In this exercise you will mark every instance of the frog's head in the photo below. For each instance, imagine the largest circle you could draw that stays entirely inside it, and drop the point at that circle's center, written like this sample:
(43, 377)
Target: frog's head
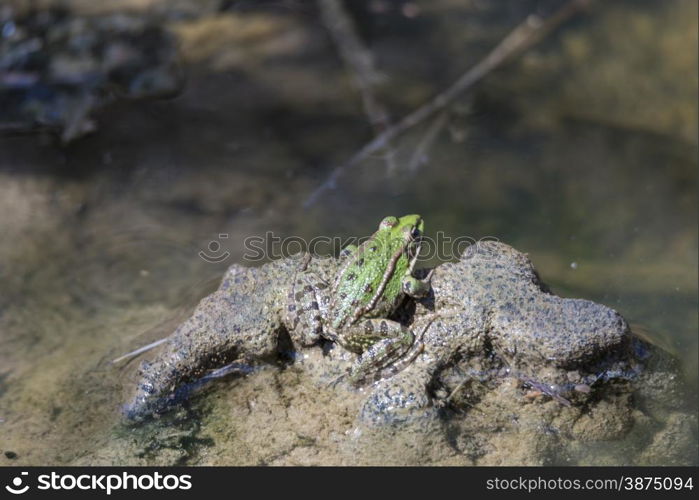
(405, 231)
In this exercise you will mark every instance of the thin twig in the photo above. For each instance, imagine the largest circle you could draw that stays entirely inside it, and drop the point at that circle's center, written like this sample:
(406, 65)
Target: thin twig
(421, 153)
(529, 32)
(140, 350)
(359, 61)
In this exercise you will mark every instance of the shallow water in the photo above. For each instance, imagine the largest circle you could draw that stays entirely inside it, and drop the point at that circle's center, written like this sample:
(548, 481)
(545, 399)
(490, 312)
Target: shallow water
(582, 153)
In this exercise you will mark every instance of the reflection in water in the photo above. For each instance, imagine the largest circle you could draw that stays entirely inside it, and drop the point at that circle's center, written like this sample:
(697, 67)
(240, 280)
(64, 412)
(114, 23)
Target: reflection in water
(582, 152)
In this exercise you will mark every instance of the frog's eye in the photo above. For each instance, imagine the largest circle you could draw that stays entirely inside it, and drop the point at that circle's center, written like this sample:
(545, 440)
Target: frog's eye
(388, 222)
(415, 233)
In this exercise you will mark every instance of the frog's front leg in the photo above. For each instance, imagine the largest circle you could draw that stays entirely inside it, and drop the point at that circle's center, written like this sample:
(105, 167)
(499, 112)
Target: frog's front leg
(381, 342)
(416, 288)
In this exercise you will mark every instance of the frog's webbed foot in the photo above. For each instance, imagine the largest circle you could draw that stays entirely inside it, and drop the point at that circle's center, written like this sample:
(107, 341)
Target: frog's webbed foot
(397, 366)
(360, 375)
(381, 342)
(336, 381)
(396, 363)
(403, 398)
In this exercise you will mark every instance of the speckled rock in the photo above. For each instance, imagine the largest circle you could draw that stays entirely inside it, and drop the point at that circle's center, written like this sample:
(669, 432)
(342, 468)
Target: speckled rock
(241, 320)
(488, 309)
(492, 306)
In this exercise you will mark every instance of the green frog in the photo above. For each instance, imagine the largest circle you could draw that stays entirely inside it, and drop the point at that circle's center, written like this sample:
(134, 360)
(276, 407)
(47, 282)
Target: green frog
(349, 300)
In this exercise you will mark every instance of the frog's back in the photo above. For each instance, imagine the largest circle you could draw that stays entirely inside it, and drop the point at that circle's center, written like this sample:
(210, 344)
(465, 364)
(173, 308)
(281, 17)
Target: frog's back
(361, 280)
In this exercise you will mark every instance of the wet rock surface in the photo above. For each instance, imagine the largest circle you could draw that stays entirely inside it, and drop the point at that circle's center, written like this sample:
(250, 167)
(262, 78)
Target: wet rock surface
(241, 319)
(498, 348)
(490, 312)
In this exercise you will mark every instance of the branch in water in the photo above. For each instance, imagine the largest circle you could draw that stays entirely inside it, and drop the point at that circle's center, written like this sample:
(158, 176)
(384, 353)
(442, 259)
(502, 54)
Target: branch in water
(421, 154)
(140, 350)
(359, 61)
(529, 32)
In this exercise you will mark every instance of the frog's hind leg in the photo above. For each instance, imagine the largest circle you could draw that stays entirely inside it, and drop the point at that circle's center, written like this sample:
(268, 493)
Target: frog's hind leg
(303, 314)
(404, 360)
(381, 342)
(397, 366)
